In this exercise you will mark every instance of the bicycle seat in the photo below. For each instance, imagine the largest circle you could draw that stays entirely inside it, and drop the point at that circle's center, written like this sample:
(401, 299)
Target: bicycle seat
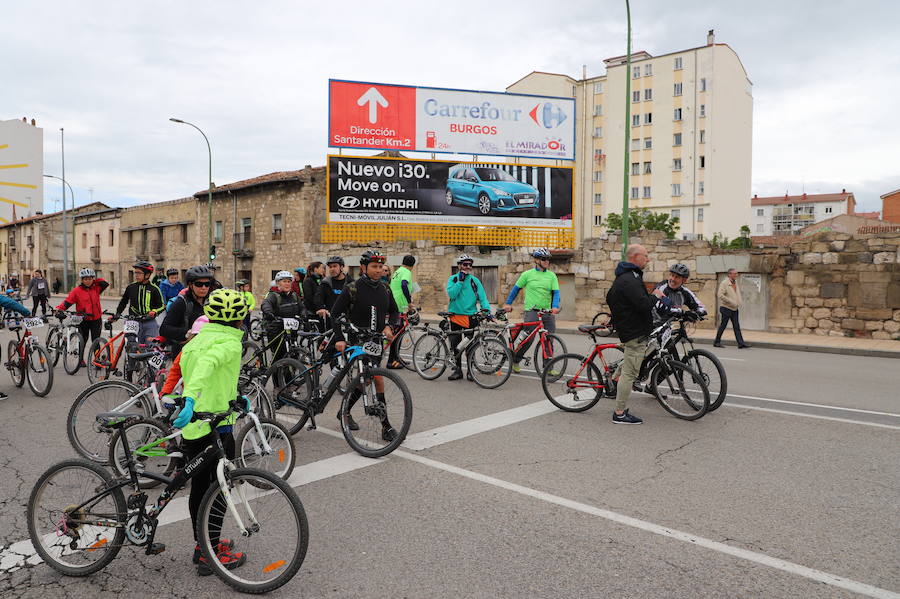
(445, 314)
(593, 328)
(115, 419)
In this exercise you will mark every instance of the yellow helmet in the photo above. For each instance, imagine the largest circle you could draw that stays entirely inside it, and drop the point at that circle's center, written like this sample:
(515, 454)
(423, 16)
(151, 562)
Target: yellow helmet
(226, 305)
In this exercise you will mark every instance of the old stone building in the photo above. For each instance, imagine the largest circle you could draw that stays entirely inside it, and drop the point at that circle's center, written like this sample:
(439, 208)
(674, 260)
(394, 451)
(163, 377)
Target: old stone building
(97, 244)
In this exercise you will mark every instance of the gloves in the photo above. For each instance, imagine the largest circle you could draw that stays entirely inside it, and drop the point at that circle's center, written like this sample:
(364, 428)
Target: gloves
(461, 276)
(691, 316)
(185, 414)
(60, 314)
(247, 406)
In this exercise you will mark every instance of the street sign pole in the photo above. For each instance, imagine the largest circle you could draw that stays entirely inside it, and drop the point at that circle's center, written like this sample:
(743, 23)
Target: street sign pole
(626, 221)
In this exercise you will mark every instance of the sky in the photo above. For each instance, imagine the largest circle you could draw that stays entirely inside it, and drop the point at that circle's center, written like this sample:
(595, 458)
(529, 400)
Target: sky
(254, 77)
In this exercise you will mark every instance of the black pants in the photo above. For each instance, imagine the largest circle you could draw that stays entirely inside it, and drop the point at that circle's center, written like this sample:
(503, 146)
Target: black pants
(42, 300)
(203, 479)
(456, 339)
(732, 315)
(89, 328)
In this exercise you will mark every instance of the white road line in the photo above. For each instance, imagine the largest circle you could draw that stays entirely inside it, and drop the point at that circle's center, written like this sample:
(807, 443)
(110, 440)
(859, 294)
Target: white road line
(815, 416)
(815, 405)
(752, 556)
(732, 359)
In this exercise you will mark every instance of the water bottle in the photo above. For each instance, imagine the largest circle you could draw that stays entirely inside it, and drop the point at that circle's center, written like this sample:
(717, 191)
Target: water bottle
(463, 344)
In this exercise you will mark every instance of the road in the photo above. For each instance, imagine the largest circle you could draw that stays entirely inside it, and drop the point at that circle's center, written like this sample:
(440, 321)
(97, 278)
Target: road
(789, 490)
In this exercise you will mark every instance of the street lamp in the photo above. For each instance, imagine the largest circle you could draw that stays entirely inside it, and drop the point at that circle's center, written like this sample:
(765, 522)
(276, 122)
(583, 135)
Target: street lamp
(626, 219)
(65, 231)
(209, 197)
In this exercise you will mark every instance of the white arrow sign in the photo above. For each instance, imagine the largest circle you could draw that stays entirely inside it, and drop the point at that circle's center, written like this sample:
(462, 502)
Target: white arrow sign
(374, 98)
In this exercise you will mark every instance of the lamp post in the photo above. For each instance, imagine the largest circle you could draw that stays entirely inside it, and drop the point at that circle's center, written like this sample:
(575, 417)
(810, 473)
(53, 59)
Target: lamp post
(209, 197)
(626, 220)
(65, 260)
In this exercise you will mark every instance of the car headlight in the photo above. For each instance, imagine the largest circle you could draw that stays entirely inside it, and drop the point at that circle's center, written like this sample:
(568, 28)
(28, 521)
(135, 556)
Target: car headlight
(501, 192)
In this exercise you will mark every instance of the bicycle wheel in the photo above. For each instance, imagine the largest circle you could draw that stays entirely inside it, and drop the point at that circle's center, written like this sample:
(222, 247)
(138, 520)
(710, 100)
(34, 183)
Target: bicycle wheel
(679, 389)
(99, 360)
(255, 390)
(707, 365)
(277, 531)
(248, 348)
(64, 515)
(155, 459)
(489, 362)
(604, 318)
(38, 369)
(292, 395)
(85, 435)
(54, 338)
(251, 453)
(73, 347)
(257, 331)
(430, 356)
(376, 413)
(15, 365)
(571, 383)
(544, 350)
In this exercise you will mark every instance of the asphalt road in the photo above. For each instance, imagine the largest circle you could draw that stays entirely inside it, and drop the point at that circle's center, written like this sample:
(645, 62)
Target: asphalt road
(789, 490)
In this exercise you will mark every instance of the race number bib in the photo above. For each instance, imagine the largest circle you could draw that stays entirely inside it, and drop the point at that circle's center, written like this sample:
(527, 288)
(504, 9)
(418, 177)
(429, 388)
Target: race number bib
(666, 336)
(131, 327)
(373, 348)
(291, 324)
(33, 323)
(156, 361)
(74, 320)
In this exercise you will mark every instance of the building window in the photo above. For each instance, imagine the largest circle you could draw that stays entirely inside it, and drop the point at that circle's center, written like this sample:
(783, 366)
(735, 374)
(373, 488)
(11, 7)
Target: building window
(676, 139)
(760, 212)
(678, 63)
(598, 88)
(635, 120)
(635, 168)
(700, 188)
(703, 110)
(598, 198)
(648, 70)
(703, 84)
(597, 220)
(184, 233)
(598, 131)
(647, 169)
(648, 118)
(699, 215)
(648, 95)
(703, 136)
(635, 144)
(676, 164)
(678, 87)
(676, 189)
(646, 191)
(675, 213)
(636, 72)
(277, 226)
(128, 238)
(677, 116)
(759, 228)
(702, 161)
(635, 193)
(648, 143)
(112, 237)
(636, 95)
(217, 231)
(598, 176)
(83, 240)
(828, 210)
(598, 110)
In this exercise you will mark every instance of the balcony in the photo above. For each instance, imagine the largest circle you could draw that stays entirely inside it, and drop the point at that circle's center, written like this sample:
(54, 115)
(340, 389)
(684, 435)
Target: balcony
(242, 244)
(29, 241)
(95, 254)
(157, 248)
(141, 252)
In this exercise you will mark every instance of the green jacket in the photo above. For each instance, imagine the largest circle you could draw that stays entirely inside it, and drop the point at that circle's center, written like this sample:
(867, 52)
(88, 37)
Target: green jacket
(400, 275)
(251, 301)
(210, 364)
(466, 295)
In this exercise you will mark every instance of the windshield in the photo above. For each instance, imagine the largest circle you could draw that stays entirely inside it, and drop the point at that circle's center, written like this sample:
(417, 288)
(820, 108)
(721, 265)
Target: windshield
(493, 174)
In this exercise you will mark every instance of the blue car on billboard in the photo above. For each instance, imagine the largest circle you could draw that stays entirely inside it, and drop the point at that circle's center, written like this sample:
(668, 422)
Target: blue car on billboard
(490, 190)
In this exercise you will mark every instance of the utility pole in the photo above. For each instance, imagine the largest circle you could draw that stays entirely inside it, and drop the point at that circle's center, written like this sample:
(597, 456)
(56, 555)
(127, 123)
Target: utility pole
(65, 231)
(626, 220)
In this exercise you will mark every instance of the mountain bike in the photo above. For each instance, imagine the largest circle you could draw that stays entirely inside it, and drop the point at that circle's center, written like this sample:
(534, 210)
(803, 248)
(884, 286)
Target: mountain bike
(65, 340)
(548, 345)
(27, 359)
(79, 517)
(104, 354)
(405, 338)
(703, 361)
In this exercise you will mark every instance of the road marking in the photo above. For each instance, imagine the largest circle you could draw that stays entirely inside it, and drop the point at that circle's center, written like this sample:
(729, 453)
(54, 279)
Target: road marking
(816, 405)
(732, 359)
(816, 416)
(752, 556)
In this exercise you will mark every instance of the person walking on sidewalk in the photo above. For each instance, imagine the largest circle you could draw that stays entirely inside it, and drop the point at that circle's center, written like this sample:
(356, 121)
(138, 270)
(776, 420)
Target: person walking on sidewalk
(729, 295)
(466, 294)
(39, 291)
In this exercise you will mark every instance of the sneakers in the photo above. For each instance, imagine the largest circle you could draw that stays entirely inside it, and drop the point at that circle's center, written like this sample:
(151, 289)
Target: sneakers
(516, 368)
(388, 433)
(717, 344)
(224, 545)
(351, 423)
(625, 418)
(744, 346)
(226, 558)
(455, 375)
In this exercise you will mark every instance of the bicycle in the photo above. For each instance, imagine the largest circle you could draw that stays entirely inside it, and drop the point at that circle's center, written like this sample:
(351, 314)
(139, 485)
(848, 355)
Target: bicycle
(406, 336)
(65, 340)
(308, 395)
(79, 518)
(27, 358)
(703, 361)
(579, 384)
(549, 344)
(104, 354)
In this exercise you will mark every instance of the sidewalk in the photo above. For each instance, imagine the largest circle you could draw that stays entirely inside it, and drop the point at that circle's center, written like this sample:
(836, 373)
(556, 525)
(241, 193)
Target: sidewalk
(812, 343)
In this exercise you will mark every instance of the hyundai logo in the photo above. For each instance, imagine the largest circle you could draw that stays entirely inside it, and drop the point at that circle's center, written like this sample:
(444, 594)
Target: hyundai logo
(348, 202)
(547, 115)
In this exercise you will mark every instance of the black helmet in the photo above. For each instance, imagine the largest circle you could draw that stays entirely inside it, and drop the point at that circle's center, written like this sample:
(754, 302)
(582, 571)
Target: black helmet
(335, 260)
(171, 271)
(198, 272)
(144, 266)
(372, 256)
(681, 270)
(240, 282)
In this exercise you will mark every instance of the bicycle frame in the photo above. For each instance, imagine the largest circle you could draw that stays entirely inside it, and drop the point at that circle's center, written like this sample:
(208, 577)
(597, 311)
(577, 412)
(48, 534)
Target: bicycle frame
(578, 383)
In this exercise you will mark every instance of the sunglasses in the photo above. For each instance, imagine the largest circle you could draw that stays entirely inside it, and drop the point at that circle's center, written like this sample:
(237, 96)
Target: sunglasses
(202, 283)
(466, 265)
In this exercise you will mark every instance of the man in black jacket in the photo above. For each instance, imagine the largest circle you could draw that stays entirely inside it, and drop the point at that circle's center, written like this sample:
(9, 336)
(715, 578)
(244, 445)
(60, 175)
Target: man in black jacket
(187, 307)
(332, 285)
(631, 307)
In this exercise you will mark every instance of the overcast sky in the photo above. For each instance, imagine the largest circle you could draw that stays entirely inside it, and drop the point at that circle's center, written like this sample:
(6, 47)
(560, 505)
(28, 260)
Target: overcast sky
(826, 79)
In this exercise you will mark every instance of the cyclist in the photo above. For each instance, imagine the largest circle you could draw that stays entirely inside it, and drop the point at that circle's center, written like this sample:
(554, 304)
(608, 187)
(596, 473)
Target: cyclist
(337, 279)
(170, 286)
(243, 285)
(279, 304)
(143, 300)
(210, 365)
(297, 285)
(541, 293)
(466, 294)
(401, 288)
(368, 304)
(681, 297)
(86, 298)
(8, 303)
(312, 300)
(187, 307)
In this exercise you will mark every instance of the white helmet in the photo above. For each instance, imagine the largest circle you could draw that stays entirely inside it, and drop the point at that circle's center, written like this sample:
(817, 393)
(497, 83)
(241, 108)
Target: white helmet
(464, 258)
(87, 272)
(283, 274)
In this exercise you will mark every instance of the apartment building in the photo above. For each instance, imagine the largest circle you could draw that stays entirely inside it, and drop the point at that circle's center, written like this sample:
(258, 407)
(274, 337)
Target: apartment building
(689, 138)
(788, 215)
(97, 236)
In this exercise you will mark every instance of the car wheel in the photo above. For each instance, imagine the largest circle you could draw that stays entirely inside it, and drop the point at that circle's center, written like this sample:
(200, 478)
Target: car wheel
(449, 196)
(484, 204)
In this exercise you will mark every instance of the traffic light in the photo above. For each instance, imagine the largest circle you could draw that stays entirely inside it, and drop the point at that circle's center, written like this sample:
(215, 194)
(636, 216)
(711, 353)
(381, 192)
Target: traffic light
(212, 253)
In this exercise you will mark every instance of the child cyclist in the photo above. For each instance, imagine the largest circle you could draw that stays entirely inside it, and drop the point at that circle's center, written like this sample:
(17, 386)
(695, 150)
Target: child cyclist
(210, 365)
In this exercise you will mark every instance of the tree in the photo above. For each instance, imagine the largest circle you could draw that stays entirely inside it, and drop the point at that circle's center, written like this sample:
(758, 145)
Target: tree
(644, 219)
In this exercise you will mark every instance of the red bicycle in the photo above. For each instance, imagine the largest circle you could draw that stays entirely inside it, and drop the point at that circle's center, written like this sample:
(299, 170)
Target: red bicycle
(405, 338)
(575, 383)
(28, 360)
(548, 345)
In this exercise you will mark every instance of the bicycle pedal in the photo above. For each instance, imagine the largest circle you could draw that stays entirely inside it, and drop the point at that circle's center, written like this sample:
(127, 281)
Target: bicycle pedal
(155, 548)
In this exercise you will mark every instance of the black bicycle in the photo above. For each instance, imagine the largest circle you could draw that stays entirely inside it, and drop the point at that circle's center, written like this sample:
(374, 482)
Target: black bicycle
(79, 516)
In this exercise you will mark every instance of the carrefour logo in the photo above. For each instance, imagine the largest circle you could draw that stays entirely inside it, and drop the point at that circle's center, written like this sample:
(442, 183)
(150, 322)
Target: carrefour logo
(348, 202)
(548, 115)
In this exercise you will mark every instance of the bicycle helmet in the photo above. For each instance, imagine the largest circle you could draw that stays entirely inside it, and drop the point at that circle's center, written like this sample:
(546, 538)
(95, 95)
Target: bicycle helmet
(413, 317)
(240, 282)
(464, 258)
(198, 272)
(282, 275)
(171, 271)
(300, 270)
(681, 270)
(144, 266)
(226, 305)
(542, 253)
(335, 260)
(87, 272)
(372, 256)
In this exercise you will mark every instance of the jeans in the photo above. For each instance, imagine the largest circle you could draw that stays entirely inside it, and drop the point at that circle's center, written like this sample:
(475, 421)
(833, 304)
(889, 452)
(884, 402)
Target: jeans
(732, 315)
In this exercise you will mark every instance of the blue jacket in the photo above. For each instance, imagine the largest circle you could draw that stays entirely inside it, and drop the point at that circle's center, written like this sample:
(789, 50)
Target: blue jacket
(10, 304)
(466, 294)
(169, 290)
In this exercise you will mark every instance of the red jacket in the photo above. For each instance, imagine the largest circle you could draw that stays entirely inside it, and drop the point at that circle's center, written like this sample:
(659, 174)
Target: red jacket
(86, 299)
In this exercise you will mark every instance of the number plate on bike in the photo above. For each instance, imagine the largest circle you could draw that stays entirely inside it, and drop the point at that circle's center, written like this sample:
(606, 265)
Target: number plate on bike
(73, 320)
(372, 348)
(33, 323)
(131, 327)
(291, 324)
(666, 336)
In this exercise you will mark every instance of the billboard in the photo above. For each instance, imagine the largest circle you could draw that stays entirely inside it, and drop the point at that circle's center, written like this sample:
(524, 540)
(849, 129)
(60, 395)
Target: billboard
(381, 116)
(402, 191)
(21, 169)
